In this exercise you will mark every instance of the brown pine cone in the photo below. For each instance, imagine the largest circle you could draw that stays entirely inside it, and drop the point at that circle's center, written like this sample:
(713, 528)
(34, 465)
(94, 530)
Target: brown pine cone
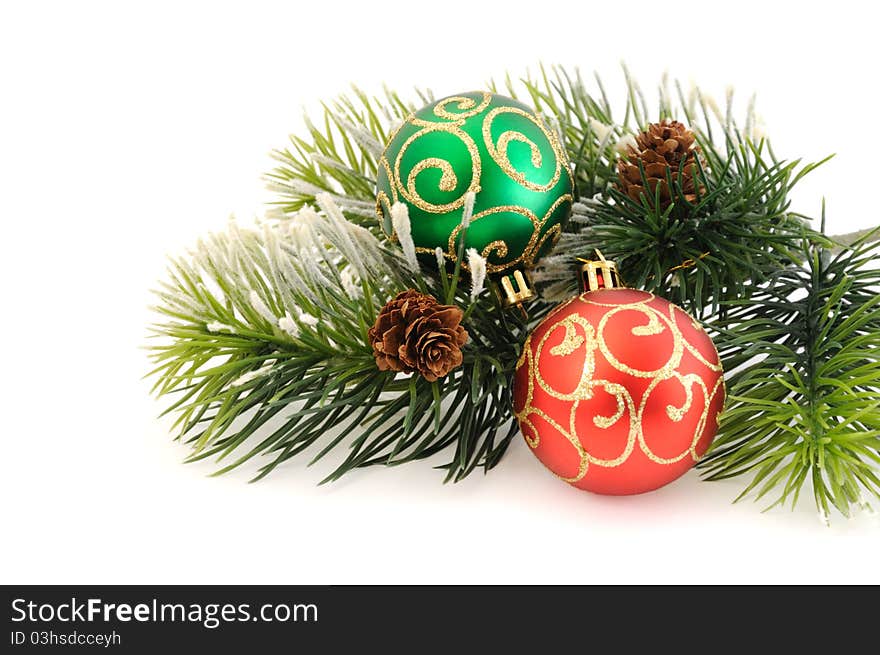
(663, 146)
(414, 332)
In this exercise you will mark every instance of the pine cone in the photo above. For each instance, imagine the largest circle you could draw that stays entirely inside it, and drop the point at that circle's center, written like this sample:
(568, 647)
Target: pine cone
(664, 146)
(414, 332)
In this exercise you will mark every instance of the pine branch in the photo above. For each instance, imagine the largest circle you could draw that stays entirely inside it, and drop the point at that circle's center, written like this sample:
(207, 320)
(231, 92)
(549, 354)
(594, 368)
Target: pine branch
(263, 342)
(339, 155)
(738, 231)
(846, 240)
(803, 357)
(264, 349)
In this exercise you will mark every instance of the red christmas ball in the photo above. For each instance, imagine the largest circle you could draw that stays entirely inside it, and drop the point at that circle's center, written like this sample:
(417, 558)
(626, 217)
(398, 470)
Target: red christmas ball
(618, 391)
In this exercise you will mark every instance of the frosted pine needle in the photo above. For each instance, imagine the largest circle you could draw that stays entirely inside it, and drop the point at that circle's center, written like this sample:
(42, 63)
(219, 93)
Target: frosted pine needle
(400, 223)
(216, 327)
(477, 266)
(252, 375)
(287, 324)
(261, 308)
(625, 143)
(468, 210)
(363, 138)
(308, 319)
(349, 283)
(600, 129)
(339, 228)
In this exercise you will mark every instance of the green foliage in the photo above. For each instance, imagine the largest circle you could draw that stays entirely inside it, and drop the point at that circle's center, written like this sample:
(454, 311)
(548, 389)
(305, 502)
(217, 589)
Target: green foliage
(263, 342)
(264, 346)
(737, 232)
(803, 357)
(339, 155)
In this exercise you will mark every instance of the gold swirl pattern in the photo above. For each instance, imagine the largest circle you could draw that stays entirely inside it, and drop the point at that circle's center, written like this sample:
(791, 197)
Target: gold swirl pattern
(454, 136)
(498, 151)
(383, 200)
(536, 242)
(573, 354)
(448, 179)
(652, 327)
(570, 343)
(552, 234)
(467, 107)
(498, 247)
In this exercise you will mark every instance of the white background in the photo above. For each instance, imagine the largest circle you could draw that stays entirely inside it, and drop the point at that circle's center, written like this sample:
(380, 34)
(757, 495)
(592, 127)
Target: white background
(127, 131)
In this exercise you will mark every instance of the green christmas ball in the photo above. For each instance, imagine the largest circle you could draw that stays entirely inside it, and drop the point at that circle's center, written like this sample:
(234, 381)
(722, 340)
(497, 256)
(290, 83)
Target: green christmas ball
(491, 145)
